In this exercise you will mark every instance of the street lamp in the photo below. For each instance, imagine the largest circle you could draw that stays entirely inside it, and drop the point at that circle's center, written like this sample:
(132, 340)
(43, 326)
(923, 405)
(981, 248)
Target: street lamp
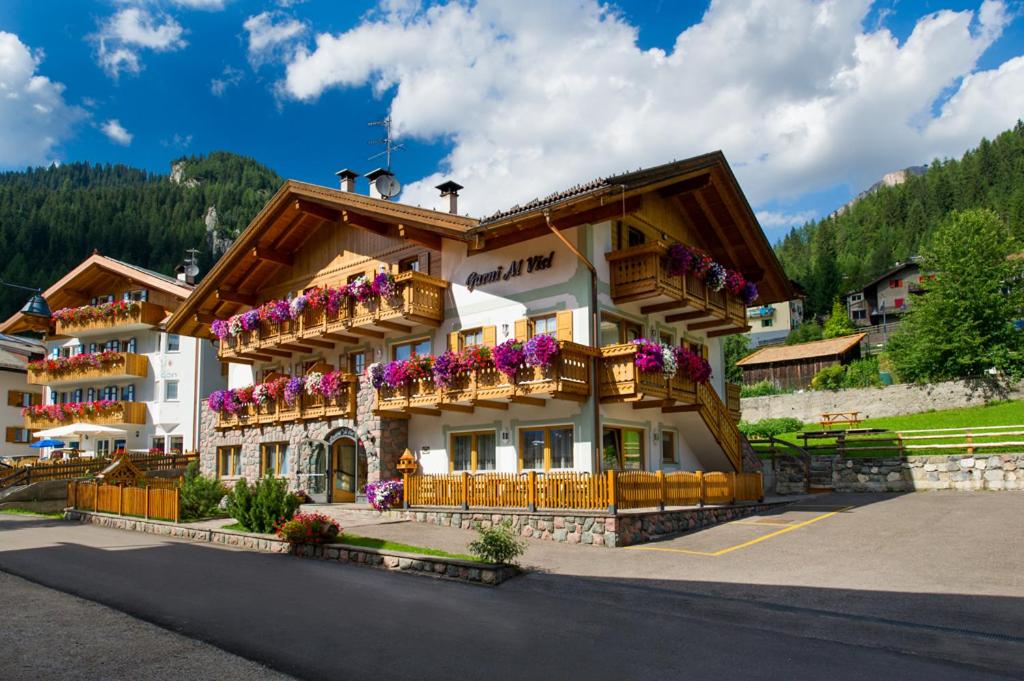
(36, 305)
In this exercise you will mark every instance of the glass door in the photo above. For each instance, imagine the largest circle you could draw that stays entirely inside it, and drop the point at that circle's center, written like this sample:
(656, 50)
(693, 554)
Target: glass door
(313, 470)
(343, 471)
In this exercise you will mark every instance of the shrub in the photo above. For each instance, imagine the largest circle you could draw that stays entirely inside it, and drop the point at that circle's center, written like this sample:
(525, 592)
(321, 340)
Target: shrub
(760, 389)
(200, 496)
(829, 378)
(766, 428)
(862, 373)
(309, 528)
(498, 544)
(262, 505)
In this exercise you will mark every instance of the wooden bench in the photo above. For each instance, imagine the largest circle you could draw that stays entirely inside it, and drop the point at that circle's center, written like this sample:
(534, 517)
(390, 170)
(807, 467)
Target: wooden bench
(849, 418)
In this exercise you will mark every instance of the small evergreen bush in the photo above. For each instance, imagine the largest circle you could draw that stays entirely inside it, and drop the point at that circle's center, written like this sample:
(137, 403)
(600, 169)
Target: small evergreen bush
(262, 505)
(200, 496)
(830, 378)
(498, 544)
(760, 389)
(863, 373)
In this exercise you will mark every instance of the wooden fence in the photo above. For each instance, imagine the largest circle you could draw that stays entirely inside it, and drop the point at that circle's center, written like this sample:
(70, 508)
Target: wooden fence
(612, 491)
(144, 502)
(868, 442)
(80, 468)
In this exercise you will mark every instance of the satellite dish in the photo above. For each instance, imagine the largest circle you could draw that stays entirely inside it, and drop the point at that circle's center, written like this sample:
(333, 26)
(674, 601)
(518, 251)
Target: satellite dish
(387, 186)
(191, 269)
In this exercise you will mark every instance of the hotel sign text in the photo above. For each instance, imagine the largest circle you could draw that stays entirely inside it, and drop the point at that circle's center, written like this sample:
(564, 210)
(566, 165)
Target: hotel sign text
(534, 263)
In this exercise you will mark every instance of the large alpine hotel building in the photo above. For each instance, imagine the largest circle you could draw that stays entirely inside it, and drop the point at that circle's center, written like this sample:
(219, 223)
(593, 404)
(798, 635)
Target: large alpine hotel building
(355, 327)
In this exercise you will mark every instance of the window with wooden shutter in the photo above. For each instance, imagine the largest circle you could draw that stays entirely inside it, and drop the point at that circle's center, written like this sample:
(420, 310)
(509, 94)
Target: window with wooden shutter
(13, 399)
(453, 341)
(564, 325)
(522, 329)
(490, 336)
(12, 434)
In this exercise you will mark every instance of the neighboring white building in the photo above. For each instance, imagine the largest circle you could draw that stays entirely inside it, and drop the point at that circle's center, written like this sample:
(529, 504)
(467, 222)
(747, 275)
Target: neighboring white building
(109, 362)
(771, 323)
(15, 354)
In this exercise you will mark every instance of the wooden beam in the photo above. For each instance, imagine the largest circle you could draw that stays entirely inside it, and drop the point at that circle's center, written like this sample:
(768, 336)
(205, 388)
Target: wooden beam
(420, 236)
(706, 208)
(423, 411)
(686, 316)
(276, 353)
(239, 360)
(230, 296)
(369, 333)
(311, 208)
(653, 404)
(729, 331)
(293, 347)
(490, 404)
(688, 185)
(389, 414)
(318, 343)
(679, 408)
(700, 326)
(659, 307)
(341, 338)
(451, 406)
(535, 226)
(256, 356)
(394, 326)
(203, 318)
(523, 399)
(272, 255)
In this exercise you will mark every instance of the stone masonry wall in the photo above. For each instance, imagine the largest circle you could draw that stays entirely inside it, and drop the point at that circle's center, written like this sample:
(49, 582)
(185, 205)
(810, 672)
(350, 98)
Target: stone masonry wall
(892, 400)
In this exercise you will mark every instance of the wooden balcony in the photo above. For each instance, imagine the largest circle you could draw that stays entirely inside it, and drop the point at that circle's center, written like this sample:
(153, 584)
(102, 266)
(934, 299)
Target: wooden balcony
(621, 381)
(567, 379)
(641, 274)
(307, 408)
(121, 413)
(418, 302)
(732, 400)
(128, 366)
(145, 315)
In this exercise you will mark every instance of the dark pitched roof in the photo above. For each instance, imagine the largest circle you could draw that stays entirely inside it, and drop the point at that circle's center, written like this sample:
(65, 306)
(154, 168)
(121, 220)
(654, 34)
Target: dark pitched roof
(169, 279)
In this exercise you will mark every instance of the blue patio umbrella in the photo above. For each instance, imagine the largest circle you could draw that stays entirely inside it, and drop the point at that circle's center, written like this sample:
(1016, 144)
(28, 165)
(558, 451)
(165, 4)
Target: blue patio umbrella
(46, 443)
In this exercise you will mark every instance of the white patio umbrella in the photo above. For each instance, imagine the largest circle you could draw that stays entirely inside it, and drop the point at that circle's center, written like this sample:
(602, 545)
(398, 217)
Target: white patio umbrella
(73, 429)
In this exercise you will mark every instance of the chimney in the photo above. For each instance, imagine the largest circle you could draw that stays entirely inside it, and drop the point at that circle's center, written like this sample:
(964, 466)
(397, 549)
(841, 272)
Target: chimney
(372, 177)
(347, 179)
(451, 190)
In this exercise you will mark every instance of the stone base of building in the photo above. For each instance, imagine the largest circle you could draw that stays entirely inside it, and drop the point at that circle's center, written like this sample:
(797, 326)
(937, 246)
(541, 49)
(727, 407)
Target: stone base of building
(593, 528)
(430, 566)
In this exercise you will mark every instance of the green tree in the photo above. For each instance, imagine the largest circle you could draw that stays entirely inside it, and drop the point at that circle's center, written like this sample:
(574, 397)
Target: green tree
(736, 348)
(963, 325)
(805, 333)
(838, 322)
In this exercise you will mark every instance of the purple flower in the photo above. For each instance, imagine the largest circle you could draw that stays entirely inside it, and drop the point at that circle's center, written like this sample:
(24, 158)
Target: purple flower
(509, 357)
(649, 356)
(293, 388)
(749, 293)
(376, 373)
(384, 285)
(220, 329)
(680, 260)
(446, 369)
(216, 401)
(397, 374)
(250, 320)
(541, 350)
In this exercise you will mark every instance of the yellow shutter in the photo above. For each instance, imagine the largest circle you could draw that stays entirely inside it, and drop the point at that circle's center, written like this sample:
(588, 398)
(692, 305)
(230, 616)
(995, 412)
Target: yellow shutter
(522, 329)
(37, 399)
(490, 335)
(563, 323)
(453, 341)
(13, 399)
(12, 434)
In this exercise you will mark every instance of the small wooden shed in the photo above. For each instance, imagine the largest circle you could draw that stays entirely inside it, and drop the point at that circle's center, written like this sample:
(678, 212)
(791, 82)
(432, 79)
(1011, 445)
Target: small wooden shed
(793, 366)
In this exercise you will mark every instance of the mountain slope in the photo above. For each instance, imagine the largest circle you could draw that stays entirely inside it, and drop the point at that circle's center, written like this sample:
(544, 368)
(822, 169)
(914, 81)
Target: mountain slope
(845, 250)
(52, 218)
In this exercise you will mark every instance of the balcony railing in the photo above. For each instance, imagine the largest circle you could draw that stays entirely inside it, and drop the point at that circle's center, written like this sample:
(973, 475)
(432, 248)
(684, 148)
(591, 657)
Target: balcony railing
(118, 413)
(306, 407)
(418, 301)
(567, 378)
(125, 365)
(641, 273)
(141, 315)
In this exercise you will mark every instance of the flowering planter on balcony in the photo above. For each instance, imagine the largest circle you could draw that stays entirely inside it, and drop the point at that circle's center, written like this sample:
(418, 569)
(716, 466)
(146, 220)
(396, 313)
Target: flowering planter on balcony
(568, 377)
(136, 314)
(112, 414)
(306, 407)
(107, 366)
(622, 380)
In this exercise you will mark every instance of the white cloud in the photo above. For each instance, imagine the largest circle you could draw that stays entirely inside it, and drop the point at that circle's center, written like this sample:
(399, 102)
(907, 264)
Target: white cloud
(116, 132)
(178, 141)
(229, 77)
(34, 117)
(770, 219)
(535, 95)
(208, 5)
(272, 35)
(122, 38)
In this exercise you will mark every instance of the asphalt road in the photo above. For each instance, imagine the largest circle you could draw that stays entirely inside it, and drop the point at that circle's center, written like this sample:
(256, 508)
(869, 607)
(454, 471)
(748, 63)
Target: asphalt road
(315, 619)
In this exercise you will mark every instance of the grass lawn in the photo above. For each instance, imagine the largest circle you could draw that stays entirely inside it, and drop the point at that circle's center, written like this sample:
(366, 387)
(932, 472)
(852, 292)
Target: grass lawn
(22, 511)
(1002, 413)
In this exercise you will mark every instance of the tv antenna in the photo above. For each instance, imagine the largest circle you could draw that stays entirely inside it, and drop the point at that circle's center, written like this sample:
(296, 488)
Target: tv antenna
(191, 268)
(388, 141)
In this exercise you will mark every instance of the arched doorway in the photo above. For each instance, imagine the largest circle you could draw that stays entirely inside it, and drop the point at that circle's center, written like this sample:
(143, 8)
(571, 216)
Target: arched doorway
(347, 466)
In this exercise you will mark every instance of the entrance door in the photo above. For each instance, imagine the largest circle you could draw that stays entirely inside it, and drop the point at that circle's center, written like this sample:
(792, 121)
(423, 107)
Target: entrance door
(312, 472)
(344, 472)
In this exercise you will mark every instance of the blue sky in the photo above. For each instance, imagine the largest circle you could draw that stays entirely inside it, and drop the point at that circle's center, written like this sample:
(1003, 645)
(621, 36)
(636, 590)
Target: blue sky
(811, 101)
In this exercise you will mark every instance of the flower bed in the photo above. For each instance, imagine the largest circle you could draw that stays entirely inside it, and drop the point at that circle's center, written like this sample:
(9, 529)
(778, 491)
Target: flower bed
(653, 357)
(119, 309)
(683, 260)
(288, 390)
(328, 298)
(89, 360)
(71, 410)
(308, 528)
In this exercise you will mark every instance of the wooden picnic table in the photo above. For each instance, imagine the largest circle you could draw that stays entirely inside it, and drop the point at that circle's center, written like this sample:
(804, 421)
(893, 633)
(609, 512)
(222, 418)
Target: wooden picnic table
(829, 419)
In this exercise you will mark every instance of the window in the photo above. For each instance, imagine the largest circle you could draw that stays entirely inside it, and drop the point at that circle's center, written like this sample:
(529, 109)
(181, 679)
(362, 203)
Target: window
(157, 442)
(766, 323)
(473, 452)
(623, 449)
(229, 461)
(18, 435)
(90, 394)
(666, 338)
(470, 338)
(545, 325)
(177, 444)
(114, 345)
(131, 345)
(634, 237)
(274, 459)
(615, 330)
(357, 362)
(668, 446)
(128, 393)
(109, 393)
(102, 448)
(860, 315)
(895, 283)
(16, 398)
(170, 391)
(76, 395)
(173, 342)
(411, 264)
(546, 448)
(120, 445)
(139, 296)
(856, 297)
(407, 350)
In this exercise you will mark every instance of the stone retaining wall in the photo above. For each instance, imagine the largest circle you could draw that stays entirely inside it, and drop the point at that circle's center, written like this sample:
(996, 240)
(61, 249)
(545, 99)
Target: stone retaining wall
(893, 400)
(594, 528)
(908, 474)
(433, 566)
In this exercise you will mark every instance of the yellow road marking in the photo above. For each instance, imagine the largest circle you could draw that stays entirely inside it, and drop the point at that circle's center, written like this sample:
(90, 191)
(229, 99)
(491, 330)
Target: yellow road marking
(745, 544)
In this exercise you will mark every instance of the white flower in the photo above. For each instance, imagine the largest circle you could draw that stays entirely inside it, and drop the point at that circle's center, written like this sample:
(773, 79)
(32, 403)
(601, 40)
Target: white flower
(313, 379)
(668, 357)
